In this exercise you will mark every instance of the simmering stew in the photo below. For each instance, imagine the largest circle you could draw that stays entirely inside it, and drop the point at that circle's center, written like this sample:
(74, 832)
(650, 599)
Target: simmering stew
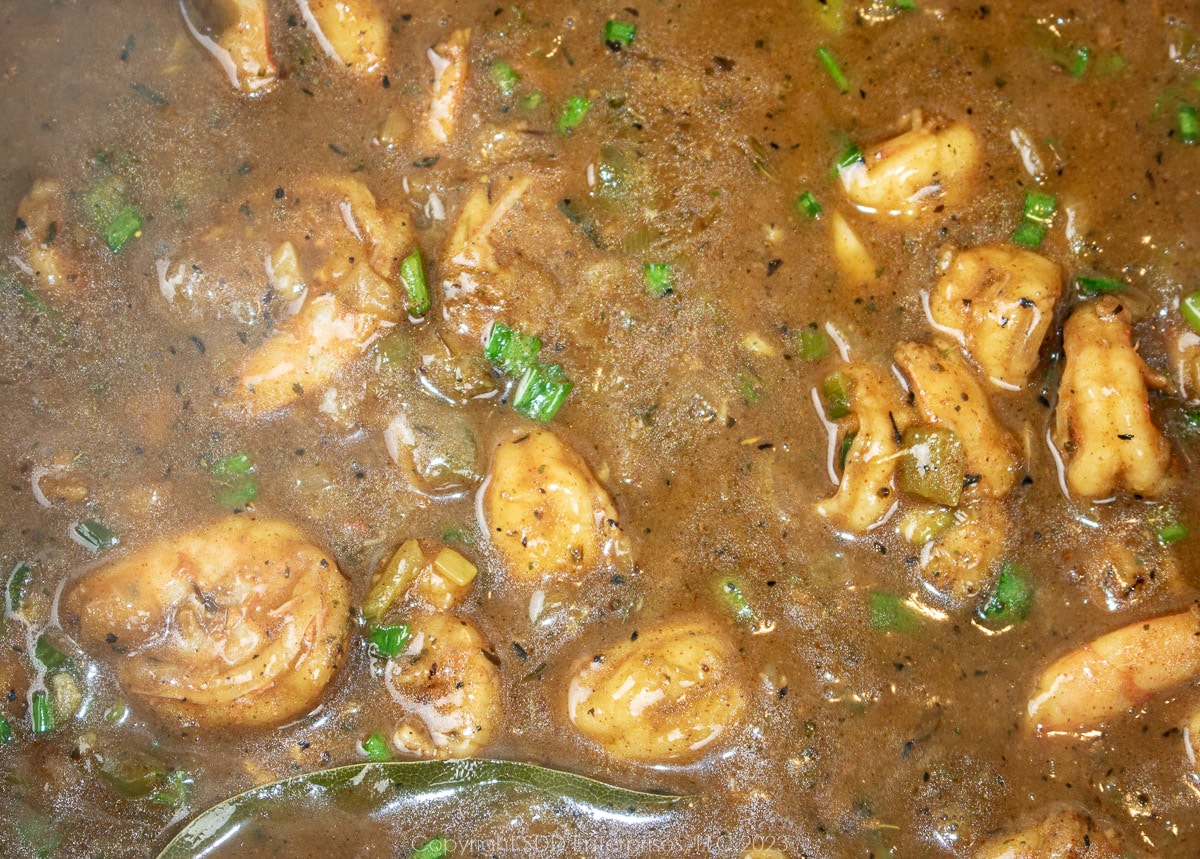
(753, 429)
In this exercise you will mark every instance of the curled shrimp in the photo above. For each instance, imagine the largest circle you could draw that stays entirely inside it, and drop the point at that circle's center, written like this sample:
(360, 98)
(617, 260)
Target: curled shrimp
(1102, 423)
(352, 33)
(242, 622)
(1117, 672)
(242, 44)
(909, 174)
(878, 414)
(43, 231)
(450, 66)
(1000, 300)
(665, 695)
(448, 685)
(545, 511)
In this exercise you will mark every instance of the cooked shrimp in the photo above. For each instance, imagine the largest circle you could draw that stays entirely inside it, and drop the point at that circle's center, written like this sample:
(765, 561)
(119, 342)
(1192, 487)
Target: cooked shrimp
(1066, 833)
(473, 293)
(450, 66)
(242, 622)
(959, 562)
(1183, 350)
(909, 174)
(42, 231)
(353, 33)
(1116, 673)
(878, 416)
(1000, 300)
(947, 394)
(449, 688)
(1102, 423)
(545, 512)
(664, 694)
(242, 45)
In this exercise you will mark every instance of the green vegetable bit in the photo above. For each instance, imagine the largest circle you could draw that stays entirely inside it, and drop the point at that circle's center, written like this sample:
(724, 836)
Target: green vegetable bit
(1013, 597)
(1036, 218)
(237, 496)
(835, 71)
(850, 157)
(41, 713)
(510, 350)
(1029, 234)
(659, 278)
(389, 641)
(812, 344)
(1097, 285)
(434, 848)
(1172, 533)
(541, 391)
(573, 113)
(504, 77)
(173, 790)
(17, 580)
(412, 275)
(889, 613)
(237, 486)
(94, 535)
(836, 391)
(844, 449)
(619, 34)
(533, 101)
(375, 747)
(49, 655)
(233, 466)
(1189, 306)
(808, 206)
(107, 205)
(6, 732)
(735, 600)
(1189, 124)
(1079, 61)
(933, 464)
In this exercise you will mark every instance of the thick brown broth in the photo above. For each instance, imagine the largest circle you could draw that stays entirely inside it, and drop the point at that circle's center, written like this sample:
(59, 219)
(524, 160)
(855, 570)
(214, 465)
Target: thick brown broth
(694, 410)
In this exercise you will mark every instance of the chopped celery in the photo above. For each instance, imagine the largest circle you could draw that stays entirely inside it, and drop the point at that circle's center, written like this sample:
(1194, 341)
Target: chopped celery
(412, 275)
(836, 391)
(889, 613)
(173, 790)
(933, 465)
(659, 278)
(1012, 598)
(921, 526)
(451, 564)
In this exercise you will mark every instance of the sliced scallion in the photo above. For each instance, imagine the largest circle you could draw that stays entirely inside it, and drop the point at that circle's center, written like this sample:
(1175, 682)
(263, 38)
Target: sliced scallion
(889, 613)
(412, 275)
(619, 34)
(1189, 123)
(1096, 285)
(731, 594)
(17, 580)
(1013, 597)
(504, 77)
(41, 713)
(812, 344)
(1035, 220)
(659, 278)
(49, 655)
(1172, 533)
(107, 205)
(573, 112)
(6, 732)
(850, 157)
(808, 205)
(1189, 306)
(389, 641)
(541, 391)
(94, 535)
(434, 848)
(1079, 61)
(836, 392)
(375, 747)
(835, 71)
(510, 350)
(844, 449)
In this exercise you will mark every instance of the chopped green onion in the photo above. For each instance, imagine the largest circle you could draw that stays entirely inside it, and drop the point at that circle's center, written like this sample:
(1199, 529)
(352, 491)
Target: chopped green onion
(510, 350)
(659, 278)
(813, 344)
(904, 5)
(17, 579)
(49, 655)
(1189, 306)
(619, 34)
(808, 205)
(1039, 207)
(6, 733)
(573, 112)
(850, 156)
(389, 641)
(434, 848)
(504, 77)
(41, 713)
(731, 594)
(1029, 234)
(533, 101)
(836, 392)
(541, 391)
(107, 205)
(375, 747)
(1172, 533)
(173, 790)
(933, 465)
(750, 386)
(844, 449)
(889, 613)
(1189, 124)
(1079, 61)
(1013, 596)
(233, 466)
(1094, 285)
(835, 71)
(412, 275)
(236, 496)
(94, 535)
